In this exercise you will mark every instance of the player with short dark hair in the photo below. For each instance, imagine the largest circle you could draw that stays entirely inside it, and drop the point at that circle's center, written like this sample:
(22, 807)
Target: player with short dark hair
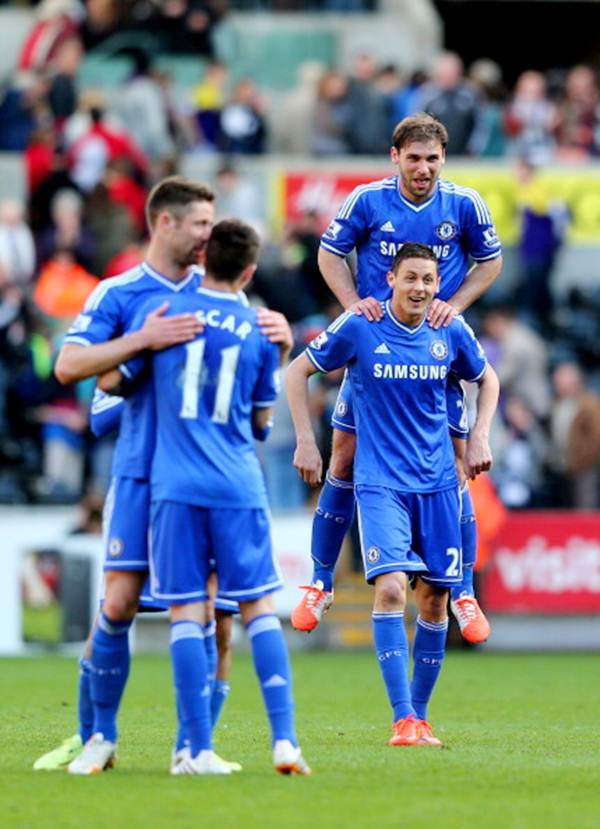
(181, 216)
(376, 220)
(214, 395)
(405, 476)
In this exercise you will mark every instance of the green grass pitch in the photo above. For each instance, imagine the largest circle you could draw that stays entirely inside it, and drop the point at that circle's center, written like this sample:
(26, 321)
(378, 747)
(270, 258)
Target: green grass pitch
(521, 733)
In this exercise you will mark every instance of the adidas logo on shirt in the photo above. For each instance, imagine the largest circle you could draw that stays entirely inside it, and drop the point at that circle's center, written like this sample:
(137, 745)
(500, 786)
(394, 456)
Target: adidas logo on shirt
(388, 227)
(382, 349)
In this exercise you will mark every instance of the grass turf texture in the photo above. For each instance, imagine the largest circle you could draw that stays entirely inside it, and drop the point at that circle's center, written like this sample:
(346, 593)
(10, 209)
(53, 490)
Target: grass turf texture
(521, 733)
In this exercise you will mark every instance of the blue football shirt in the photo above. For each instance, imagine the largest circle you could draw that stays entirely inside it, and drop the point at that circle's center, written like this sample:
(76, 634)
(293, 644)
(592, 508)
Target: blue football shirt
(376, 219)
(109, 312)
(205, 391)
(398, 377)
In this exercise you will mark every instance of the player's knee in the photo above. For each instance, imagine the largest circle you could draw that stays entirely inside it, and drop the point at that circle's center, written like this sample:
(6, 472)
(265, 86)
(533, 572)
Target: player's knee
(433, 607)
(342, 457)
(122, 596)
(120, 607)
(390, 592)
(224, 635)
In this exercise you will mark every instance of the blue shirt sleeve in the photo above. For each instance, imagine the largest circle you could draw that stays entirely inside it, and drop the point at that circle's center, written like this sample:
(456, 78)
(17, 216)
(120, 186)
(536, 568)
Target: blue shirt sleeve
(349, 226)
(267, 385)
(101, 319)
(137, 366)
(336, 346)
(469, 362)
(105, 413)
(458, 421)
(482, 240)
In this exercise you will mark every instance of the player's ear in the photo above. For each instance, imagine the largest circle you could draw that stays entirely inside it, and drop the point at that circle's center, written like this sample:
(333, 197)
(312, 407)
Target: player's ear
(390, 278)
(246, 275)
(164, 219)
(394, 155)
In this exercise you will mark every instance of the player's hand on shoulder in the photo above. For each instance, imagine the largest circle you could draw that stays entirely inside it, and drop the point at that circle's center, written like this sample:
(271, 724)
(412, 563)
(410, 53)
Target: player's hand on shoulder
(276, 329)
(369, 307)
(478, 457)
(160, 331)
(308, 462)
(440, 314)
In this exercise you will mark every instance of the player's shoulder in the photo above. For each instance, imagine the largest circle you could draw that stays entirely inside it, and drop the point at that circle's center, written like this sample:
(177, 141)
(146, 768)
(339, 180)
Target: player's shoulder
(346, 322)
(368, 193)
(467, 196)
(115, 288)
(341, 326)
(460, 326)
(463, 335)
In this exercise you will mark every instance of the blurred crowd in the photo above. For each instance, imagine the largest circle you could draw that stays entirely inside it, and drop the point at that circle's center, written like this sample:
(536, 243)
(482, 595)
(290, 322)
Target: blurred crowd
(91, 158)
(551, 116)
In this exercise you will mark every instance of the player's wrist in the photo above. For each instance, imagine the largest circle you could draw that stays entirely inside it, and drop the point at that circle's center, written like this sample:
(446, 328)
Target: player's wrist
(306, 440)
(138, 340)
(480, 432)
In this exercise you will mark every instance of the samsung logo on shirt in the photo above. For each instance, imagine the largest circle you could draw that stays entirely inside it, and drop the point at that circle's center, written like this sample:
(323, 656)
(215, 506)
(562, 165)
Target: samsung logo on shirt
(392, 248)
(389, 371)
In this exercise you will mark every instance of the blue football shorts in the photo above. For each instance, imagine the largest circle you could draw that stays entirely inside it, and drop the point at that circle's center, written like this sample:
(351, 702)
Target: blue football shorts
(186, 541)
(126, 520)
(343, 414)
(125, 524)
(415, 533)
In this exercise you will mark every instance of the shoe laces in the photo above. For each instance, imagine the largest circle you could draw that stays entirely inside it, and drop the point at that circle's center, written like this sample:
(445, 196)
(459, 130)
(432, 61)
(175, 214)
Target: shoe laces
(314, 596)
(467, 608)
(401, 725)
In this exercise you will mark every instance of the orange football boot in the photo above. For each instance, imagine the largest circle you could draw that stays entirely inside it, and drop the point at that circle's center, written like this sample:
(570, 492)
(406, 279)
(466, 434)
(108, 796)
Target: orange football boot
(309, 612)
(474, 627)
(405, 732)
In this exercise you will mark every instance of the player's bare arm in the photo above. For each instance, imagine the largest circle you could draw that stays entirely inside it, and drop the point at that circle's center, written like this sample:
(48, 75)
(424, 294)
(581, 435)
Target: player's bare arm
(338, 277)
(111, 382)
(476, 283)
(76, 362)
(460, 450)
(478, 457)
(307, 458)
(277, 330)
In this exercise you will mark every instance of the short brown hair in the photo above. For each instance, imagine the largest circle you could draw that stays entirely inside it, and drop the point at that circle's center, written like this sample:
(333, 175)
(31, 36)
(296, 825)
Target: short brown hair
(421, 127)
(232, 246)
(414, 250)
(175, 194)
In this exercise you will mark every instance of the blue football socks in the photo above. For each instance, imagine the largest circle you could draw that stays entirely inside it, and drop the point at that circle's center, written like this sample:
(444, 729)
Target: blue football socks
(332, 519)
(429, 648)
(110, 668)
(272, 666)
(190, 678)
(391, 649)
(220, 692)
(468, 531)
(210, 647)
(85, 706)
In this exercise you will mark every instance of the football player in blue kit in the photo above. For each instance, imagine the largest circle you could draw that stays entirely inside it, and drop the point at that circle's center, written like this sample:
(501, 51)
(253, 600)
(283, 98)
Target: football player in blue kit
(405, 477)
(214, 396)
(180, 216)
(375, 220)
